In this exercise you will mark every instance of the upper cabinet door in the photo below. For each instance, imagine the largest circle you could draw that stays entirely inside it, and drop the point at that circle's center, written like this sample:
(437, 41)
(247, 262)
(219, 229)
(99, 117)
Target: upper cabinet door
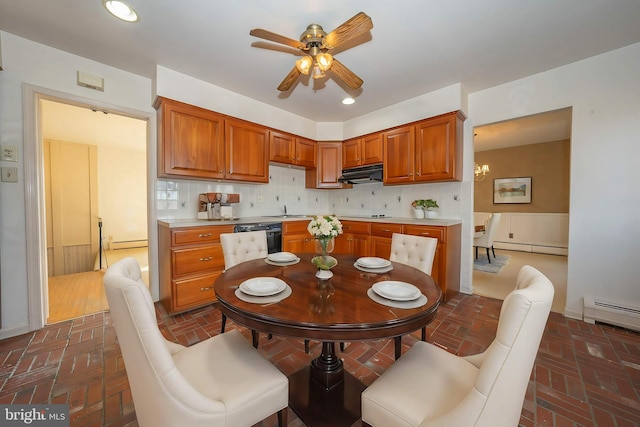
(327, 172)
(398, 148)
(351, 153)
(439, 148)
(371, 149)
(247, 151)
(190, 140)
(305, 153)
(281, 147)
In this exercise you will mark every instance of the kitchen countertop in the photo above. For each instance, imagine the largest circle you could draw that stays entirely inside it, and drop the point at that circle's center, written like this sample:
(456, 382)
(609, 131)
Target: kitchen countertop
(175, 223)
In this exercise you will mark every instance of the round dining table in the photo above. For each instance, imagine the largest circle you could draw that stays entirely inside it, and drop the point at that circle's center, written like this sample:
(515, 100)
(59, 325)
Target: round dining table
(341, 308)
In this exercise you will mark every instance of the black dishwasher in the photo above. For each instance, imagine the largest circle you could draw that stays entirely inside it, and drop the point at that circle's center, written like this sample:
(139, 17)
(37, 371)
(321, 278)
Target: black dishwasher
(273, 229)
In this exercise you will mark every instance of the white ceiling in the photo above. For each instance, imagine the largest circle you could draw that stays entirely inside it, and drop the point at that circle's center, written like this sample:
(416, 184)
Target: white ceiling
(415, 46)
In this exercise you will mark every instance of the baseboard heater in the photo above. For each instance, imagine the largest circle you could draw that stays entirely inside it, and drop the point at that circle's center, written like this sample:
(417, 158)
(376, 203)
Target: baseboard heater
(129, 244)
(611, 313)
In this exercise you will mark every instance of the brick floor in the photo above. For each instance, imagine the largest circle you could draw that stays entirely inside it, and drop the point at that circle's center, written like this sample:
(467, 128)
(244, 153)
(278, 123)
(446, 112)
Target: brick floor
(584, 375)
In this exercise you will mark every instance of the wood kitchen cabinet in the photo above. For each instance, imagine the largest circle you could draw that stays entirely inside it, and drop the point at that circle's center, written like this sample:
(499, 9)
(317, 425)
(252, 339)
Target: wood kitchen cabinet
(327, 170)
(426, 151)
(197, 143)
(190, 260)
(190, 141)
(446, 264)
(365, 150)
(247, 151)
(355, 239)
(296, 238)
(381, 234)
(292, 150)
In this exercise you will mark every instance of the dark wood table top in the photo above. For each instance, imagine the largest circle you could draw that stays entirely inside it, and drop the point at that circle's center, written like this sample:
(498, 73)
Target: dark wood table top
(334, 310)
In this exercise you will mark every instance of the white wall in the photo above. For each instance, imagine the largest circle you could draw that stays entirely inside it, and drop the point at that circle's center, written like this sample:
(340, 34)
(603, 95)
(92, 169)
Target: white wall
(39, 66)
(122, 194)
(604, 234)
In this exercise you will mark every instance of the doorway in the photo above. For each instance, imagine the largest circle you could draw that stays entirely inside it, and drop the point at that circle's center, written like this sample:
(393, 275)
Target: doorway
(95, 200)
(537, 146)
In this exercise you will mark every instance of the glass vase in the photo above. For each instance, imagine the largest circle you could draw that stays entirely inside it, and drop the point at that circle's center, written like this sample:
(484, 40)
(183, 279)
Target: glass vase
(324, 246)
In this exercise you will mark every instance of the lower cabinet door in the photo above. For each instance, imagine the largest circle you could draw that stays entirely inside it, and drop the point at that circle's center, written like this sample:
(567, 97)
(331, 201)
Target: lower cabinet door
(194, 292)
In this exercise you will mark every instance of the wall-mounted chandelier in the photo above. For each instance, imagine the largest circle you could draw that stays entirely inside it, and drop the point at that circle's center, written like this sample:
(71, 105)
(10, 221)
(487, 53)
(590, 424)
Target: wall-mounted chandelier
(480, 171)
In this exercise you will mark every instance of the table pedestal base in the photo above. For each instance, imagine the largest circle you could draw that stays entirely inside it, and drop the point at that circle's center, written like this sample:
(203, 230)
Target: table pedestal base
(316, 406)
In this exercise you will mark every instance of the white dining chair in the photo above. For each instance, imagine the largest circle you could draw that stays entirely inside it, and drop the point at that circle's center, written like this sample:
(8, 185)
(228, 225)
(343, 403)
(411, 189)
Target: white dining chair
(221, 381)
(431, 387)
(241, 247)
(485, 239)
(418, 252)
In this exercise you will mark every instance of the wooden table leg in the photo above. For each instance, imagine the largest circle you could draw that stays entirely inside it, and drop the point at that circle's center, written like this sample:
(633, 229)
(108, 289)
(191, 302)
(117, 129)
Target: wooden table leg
(323, 394)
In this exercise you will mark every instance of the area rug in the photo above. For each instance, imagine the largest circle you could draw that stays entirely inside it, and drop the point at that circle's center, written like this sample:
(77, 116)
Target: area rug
(497, 263)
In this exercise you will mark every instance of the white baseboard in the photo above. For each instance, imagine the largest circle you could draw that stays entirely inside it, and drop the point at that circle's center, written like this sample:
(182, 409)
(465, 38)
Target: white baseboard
(521, 247)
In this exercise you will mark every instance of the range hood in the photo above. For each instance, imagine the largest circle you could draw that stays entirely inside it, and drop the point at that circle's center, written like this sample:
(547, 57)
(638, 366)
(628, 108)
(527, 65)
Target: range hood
(362, 174)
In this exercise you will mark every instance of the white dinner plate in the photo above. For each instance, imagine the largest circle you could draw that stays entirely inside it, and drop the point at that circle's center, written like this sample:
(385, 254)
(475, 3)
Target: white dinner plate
(373, 262)
(263, 286)
(397, 291)
(373, 270)
(282, 257)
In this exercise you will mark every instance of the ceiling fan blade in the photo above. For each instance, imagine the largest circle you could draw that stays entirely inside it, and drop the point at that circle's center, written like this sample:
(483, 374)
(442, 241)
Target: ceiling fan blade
(289, 80)
(268, 35)
(359, 24)
(346, 75)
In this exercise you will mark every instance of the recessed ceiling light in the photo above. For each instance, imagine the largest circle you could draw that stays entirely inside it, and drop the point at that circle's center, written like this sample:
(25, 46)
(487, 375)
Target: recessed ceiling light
(348, 101)
(121, 10)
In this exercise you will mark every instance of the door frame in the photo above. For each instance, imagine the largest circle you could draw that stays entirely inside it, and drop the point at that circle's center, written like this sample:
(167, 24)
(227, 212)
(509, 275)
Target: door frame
(36, 245)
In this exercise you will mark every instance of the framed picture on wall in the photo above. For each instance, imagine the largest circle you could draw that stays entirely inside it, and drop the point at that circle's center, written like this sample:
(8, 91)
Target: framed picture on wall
(512, 190)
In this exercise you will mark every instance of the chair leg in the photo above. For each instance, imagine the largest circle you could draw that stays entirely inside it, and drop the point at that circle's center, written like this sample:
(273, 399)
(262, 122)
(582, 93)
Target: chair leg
(398, 347)
(488, 257)
(424, 333)
(224, 323)
(476, 252)
(493, 250)
(282, 417)
(306, 346)
(342, 346)
(255, 338)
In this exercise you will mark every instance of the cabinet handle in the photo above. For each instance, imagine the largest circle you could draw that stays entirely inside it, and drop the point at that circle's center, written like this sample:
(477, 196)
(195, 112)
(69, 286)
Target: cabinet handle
(207, 288)
(205, 235)
(426, 234)
(386, 230)
(209, 258)
(221, 170)
(418, 174)
(229, 172)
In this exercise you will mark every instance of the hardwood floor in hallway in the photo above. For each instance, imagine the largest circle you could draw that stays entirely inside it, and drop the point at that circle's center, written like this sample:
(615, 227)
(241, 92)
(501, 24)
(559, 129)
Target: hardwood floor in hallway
(76, 295)
(584, 376)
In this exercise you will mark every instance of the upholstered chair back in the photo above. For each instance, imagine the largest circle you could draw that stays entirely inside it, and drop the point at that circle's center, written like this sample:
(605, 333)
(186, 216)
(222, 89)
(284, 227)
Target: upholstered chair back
(485, 240)
(416, 251)
(506, 365)
(241, 247)
(162, 396)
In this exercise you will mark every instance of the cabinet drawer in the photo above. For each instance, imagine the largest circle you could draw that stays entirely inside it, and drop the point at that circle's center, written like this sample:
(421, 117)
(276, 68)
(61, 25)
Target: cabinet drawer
(295, 227)
(194, 235)
(385, 229)
(193, 260)
(194, 292)
(426, 231)
(356, 227)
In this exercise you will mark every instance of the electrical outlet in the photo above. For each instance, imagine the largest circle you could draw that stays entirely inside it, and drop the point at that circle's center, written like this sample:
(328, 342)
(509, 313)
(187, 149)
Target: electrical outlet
(9, 174)
(9, 153)
(511, 235)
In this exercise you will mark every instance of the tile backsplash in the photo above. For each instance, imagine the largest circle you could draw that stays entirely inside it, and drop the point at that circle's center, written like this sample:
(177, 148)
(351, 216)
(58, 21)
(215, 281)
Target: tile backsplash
(178, 199)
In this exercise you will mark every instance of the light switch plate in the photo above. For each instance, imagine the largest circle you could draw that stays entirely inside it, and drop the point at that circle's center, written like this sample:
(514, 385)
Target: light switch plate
(9, 174)
(9, 153)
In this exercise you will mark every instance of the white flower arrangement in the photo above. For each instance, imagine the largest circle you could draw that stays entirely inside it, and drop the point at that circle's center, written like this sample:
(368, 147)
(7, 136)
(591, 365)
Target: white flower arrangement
(325, 227)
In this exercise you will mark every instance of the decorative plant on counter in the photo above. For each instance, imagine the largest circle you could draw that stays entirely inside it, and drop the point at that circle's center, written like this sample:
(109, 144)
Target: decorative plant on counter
(429, 204)
(324, 229)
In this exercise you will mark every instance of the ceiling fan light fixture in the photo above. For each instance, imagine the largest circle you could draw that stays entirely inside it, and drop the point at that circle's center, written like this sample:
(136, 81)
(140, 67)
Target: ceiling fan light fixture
(317, 73)
(121, 10)
(348, 101)
(304, 64)
(324, 61)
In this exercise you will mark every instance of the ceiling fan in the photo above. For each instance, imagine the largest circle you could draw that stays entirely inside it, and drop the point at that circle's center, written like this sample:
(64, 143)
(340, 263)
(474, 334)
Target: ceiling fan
(315, 43)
